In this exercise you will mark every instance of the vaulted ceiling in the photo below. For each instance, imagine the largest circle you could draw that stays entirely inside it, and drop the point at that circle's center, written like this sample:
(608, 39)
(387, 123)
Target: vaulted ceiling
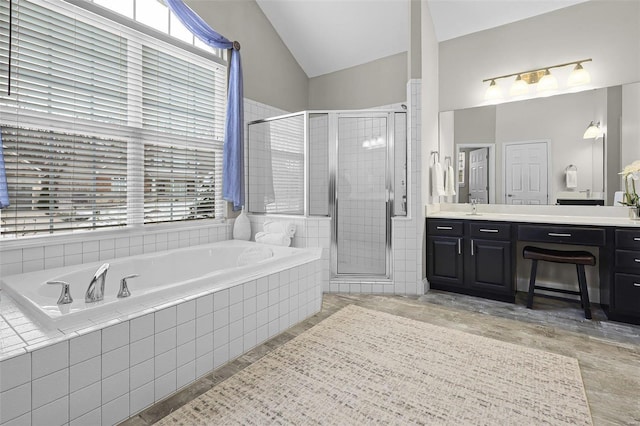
(329, 35)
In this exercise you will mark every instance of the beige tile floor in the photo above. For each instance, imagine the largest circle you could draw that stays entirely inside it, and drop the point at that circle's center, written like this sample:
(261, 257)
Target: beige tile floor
(608, 352)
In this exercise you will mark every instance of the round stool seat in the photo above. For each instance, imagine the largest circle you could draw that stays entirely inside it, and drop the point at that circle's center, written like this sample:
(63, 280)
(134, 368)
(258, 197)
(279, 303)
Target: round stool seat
(559, 256)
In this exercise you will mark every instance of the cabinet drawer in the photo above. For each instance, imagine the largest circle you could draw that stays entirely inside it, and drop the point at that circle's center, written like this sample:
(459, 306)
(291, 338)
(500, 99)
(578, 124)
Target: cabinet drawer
(627, 294)
(628, 238)
(490, 230)
(628, 260)
(452, 228)
(562, 234)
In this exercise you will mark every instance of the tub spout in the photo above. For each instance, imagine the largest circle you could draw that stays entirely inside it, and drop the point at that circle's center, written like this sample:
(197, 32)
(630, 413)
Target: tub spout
(95, 292)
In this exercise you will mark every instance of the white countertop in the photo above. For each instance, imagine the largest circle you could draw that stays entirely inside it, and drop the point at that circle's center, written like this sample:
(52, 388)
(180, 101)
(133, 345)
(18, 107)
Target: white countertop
(561, 215)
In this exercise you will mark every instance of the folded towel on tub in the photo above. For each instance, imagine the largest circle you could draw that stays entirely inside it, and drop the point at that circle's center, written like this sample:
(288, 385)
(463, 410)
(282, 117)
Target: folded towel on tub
(276, 239)
(280, 227)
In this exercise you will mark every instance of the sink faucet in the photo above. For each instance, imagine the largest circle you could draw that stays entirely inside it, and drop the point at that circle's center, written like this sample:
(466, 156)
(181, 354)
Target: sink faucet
(474, 206)
(588, 191)
(95, 292)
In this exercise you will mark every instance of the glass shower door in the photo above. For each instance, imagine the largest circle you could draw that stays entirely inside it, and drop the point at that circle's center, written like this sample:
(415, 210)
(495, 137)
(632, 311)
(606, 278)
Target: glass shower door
(361, 195)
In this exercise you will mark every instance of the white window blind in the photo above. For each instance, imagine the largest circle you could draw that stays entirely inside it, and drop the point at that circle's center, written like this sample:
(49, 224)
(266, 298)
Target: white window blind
(180, 183)
(105, 114)
(61, 181)
(62, 66)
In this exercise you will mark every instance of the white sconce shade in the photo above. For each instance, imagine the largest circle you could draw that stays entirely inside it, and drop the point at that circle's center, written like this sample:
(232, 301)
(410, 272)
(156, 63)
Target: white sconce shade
(519, 87)
(579, 76)
(493, 92)
(593, 131)
(548, 83)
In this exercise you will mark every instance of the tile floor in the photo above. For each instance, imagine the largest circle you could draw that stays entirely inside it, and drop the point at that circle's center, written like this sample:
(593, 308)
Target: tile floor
(608, 352)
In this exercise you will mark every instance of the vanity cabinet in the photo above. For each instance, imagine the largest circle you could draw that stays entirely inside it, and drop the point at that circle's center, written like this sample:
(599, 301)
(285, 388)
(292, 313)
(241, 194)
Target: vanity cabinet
(625, 291)
(469, 257)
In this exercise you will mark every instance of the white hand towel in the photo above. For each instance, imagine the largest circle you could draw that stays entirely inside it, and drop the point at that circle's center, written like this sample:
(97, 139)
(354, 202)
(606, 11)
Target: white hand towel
(572, 178)
(281, 227)
(277, 239)
(437, 180)
(449, 182)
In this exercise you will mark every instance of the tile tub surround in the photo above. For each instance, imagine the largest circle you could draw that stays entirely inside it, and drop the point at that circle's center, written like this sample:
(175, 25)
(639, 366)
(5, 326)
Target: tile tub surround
(106, 372)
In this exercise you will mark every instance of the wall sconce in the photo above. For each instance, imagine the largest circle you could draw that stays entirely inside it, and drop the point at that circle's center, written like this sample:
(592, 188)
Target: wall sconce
(546, 82)
(593, 131)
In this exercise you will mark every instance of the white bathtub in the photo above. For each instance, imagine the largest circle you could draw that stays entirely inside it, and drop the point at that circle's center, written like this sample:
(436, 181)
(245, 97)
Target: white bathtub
(163, 277)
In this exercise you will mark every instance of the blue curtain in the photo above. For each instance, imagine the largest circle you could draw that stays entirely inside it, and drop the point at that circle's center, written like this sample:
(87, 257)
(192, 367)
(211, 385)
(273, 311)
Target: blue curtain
(4, 193)
(233, 156)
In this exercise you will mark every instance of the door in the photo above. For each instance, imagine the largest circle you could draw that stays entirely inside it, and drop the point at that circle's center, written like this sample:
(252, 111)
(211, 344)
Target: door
(479, 175)
(488, 266)
(526, 179)
(362, 205)
(444, 261)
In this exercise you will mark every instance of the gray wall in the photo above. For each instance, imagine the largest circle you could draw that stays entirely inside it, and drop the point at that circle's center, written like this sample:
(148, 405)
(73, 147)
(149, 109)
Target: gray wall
(271, 73)
(380, 82)
(606, 31)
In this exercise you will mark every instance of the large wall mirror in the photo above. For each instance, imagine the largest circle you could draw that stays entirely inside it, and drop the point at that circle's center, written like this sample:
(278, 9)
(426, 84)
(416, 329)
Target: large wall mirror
(533, 151)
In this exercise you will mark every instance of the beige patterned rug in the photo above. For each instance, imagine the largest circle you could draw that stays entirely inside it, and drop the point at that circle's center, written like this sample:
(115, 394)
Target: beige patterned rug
(361, 367)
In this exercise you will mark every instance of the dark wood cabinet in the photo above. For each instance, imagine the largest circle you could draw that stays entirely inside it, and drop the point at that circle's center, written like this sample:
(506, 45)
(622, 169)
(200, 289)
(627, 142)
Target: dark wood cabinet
(624, 291)
(469, 257)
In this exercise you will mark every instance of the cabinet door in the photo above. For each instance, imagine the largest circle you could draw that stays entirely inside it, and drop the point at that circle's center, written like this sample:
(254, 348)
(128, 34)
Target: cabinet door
(488, 266)
(444, 261)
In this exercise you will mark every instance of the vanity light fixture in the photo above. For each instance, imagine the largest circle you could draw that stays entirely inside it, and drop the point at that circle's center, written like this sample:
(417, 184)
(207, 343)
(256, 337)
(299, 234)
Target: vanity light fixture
(493, 92)
(593, 131)
(546, 82)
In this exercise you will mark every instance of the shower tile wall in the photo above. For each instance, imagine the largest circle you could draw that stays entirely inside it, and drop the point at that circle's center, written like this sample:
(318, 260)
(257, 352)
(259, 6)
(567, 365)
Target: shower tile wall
(361, 195)
(318, 164)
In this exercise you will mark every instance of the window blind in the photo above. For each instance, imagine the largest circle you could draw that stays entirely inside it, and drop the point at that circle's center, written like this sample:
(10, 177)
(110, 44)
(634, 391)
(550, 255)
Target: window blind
(62, 181)
(181, 183)
(100, 110)
(63, 66)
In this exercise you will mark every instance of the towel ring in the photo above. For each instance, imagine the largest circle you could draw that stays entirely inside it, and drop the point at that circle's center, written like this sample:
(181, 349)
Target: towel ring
(436, 156)
(571, 167)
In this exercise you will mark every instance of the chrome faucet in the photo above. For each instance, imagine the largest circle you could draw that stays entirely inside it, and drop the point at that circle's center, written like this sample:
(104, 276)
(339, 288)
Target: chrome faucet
(95, 292)
(474, 206)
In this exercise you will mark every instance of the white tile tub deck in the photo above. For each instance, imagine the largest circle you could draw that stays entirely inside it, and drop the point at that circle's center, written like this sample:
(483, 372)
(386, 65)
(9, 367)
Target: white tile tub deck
(104, 371)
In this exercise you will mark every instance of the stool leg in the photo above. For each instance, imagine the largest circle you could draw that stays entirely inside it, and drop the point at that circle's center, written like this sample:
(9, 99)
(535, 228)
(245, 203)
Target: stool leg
(532, 283)
(584, 293)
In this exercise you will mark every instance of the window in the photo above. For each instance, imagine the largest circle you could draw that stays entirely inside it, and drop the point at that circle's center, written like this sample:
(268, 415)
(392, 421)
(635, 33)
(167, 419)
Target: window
(105, 125)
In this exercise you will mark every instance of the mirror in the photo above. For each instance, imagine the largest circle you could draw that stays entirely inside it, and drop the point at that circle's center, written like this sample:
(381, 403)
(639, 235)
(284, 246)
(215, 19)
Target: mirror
(533, 151)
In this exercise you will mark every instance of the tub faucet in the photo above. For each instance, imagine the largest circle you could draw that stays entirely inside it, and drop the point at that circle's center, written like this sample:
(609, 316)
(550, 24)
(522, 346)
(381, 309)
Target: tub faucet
(95, 292)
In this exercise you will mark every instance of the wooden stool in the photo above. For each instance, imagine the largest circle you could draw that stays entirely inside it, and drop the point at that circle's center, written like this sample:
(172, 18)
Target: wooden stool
(578, 258)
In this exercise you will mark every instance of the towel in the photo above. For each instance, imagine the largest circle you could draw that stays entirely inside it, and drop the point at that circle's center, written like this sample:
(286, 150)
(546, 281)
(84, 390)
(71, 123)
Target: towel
(283, 227)
(253, 255)
(437, 180)
(275, 239)
(449, 182)
(572, 178)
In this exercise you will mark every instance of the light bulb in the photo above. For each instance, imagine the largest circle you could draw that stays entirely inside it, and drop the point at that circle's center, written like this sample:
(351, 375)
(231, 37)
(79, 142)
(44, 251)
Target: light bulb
(592, 132)
(579, 76)
(547, 84)
(493, 92)
(519, 87)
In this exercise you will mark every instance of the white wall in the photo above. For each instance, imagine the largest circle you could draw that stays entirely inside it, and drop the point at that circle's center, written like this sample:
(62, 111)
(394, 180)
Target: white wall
(630, 129)
(606, 31)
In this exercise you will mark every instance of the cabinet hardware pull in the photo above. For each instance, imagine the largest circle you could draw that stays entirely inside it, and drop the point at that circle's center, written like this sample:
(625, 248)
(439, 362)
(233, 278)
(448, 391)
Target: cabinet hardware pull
(555, 234)
(444, 228)
(636, 238)
(488, 230)
(636, 260)
(636, 284)
(472, 248)
(459, 245)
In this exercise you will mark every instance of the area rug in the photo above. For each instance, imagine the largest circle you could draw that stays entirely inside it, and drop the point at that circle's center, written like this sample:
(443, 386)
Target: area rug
(367, 367)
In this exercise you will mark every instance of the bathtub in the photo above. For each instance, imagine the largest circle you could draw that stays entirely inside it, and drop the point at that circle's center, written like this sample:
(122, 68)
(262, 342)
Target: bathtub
(164, 277)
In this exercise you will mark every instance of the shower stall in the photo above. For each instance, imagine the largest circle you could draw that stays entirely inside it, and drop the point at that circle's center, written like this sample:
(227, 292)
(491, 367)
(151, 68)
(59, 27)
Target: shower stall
(348, 165)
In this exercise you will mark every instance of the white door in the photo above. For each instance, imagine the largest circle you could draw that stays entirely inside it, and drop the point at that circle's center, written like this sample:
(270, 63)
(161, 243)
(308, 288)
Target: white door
(526, 173)
(478, 175)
